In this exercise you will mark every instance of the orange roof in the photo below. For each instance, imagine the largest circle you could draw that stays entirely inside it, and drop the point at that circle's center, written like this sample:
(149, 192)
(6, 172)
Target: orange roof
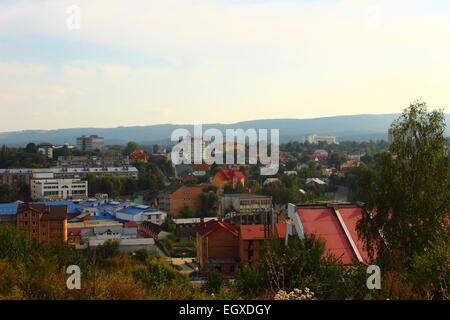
(256, 231)
(138, 155)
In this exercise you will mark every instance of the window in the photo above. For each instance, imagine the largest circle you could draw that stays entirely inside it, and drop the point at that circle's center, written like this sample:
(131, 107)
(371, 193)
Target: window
(34, 231)
(33, 215)
(44, 234)
(34, 223)
(25, 224)
(25, 215)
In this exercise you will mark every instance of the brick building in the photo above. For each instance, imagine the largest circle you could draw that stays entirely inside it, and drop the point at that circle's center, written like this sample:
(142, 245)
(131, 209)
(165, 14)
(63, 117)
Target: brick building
(174, 197)
(42, 222)
(217, 244)
(252, 237)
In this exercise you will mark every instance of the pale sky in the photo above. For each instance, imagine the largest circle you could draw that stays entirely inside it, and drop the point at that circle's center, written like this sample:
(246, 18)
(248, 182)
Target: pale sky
(144, 62)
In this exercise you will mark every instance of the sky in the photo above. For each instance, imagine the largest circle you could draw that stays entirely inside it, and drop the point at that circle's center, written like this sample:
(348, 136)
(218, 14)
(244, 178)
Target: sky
(146, 62)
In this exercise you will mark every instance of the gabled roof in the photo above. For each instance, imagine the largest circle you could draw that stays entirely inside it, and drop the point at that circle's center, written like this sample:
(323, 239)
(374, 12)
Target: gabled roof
(57, 212)
(337, 227)
(212, 225)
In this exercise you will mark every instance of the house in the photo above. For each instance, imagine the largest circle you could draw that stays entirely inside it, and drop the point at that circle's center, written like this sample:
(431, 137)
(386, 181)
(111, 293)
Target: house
(174, 197)
(270, 180)
(350, 164)
(217, 244)
(336, 224)
(252, 237)
(228, 177)
(43, 222)
(314, 182)
(138, 155)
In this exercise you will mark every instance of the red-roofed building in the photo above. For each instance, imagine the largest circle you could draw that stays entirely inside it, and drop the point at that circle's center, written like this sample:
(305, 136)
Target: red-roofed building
(334, 224)
(231, 177)
(43, 223)
(217, 244)
(251, 239)
(138, 155)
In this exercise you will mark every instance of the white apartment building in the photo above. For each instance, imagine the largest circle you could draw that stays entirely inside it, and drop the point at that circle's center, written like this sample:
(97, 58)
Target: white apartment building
(58, 189)
(314, 139)
(90, 143)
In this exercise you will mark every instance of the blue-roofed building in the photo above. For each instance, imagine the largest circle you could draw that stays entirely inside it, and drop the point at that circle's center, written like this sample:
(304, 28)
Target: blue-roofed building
(98, 209)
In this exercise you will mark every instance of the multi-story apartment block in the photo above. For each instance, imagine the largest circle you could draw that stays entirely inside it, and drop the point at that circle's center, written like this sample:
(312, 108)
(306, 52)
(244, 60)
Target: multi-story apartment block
(174, 197)
(314, 139)
(43, 223)
(20, 177)
(90, 143)
(58, 189)
(46, 149)
(245, 202)
(92, 161)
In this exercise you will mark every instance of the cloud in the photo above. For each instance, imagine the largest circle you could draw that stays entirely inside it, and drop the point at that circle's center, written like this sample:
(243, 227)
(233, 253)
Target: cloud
(225, 61)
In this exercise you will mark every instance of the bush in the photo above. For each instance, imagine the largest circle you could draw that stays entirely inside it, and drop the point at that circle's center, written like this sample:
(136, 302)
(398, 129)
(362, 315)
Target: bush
(250, 281)
(214, 282)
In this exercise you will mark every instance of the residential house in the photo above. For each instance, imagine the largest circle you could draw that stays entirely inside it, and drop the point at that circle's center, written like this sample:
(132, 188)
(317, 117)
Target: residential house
(252, 238)
(217, 244)
(228, 177)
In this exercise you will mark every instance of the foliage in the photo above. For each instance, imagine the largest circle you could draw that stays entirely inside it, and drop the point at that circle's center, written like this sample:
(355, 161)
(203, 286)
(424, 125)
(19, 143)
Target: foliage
(210, 204)
(411, 190)
(187, 211)
(250, 281)
(157, 274)
(15, 245)
(214, 282)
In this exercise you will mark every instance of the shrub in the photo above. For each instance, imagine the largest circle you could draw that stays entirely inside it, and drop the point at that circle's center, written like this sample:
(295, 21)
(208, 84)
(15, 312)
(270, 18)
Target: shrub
(214, 282)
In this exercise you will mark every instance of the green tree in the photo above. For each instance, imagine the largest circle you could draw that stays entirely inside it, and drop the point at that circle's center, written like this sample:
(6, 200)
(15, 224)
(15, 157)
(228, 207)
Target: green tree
(214, 282)
(210, 204)
(131, 146)
(31, 148)
(187, 211)
(409, 197)
(7, 194)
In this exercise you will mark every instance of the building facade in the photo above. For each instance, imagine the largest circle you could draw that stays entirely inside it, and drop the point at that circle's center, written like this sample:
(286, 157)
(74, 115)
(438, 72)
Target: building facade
(90, 143)
(46, 149)
(314, 139)
(217, 244)
(43, 223)
(174, 197)
(58, 189)
(21, 177)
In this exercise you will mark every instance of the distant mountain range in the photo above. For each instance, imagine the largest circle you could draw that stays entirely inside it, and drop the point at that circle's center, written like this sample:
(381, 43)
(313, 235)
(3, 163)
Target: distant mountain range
(362, 127)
